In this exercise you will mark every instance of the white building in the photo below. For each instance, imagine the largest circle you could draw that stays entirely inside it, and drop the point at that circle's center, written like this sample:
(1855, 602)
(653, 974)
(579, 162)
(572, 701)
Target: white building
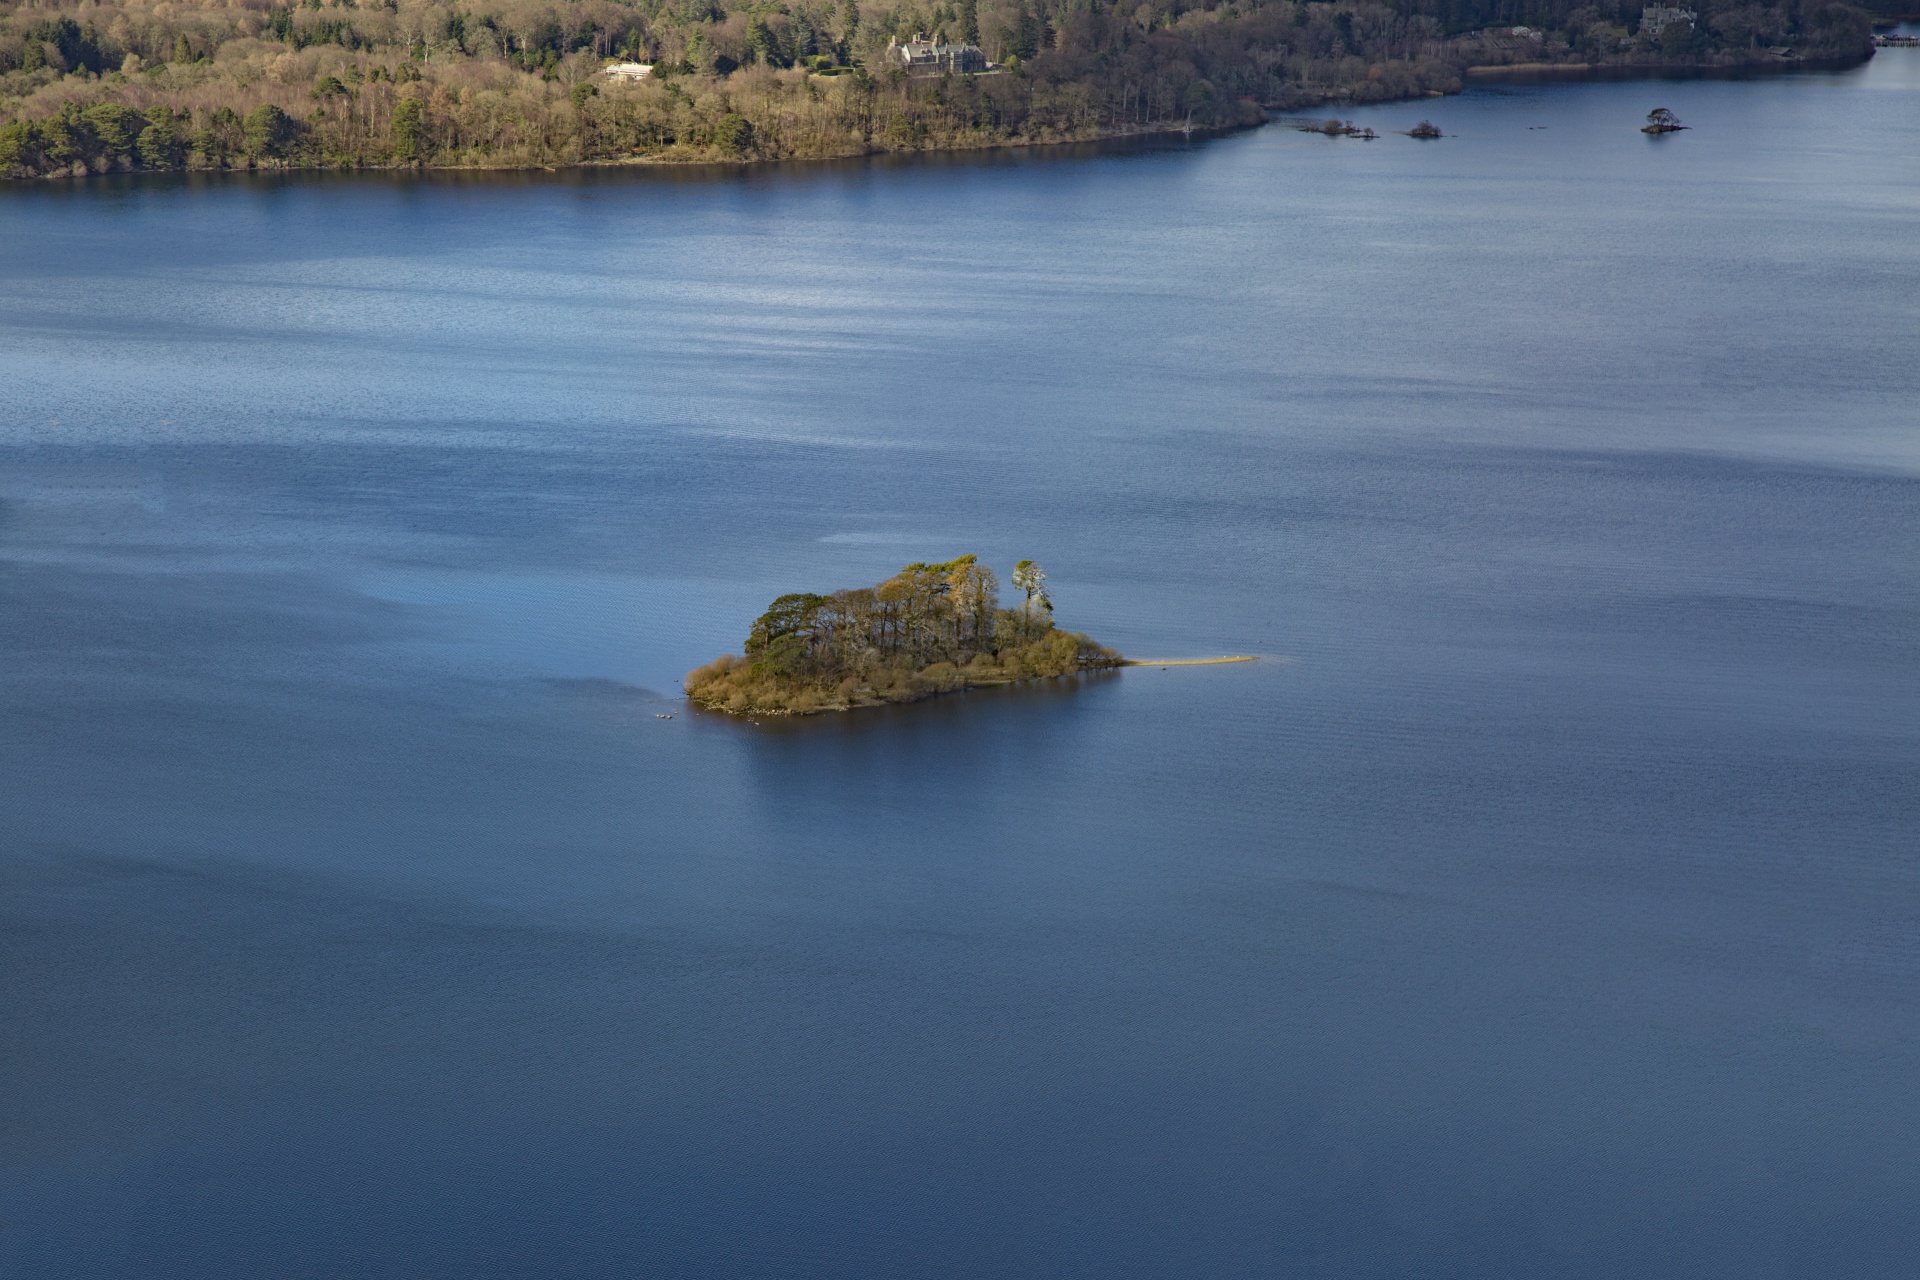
(924, 56)
(1657, 18)
(628, 71)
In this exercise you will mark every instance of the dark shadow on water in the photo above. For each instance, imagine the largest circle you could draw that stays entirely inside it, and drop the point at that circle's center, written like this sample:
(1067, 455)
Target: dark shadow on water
(610, 176)
(949, 711)
(599, 689)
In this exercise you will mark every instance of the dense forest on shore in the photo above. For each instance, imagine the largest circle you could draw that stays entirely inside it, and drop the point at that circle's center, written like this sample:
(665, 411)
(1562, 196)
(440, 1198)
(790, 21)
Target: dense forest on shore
(90, 86)
(929, 629)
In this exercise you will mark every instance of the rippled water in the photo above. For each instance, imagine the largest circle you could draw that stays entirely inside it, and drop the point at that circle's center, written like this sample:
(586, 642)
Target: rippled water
(1543, 905)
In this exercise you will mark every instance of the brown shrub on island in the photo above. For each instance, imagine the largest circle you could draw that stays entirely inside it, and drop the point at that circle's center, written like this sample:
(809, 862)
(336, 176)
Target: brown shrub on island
(929, 629)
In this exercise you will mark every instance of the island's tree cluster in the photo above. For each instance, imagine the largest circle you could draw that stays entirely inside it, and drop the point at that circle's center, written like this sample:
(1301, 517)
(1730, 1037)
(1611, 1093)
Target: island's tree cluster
(931, 628)
(99, 85)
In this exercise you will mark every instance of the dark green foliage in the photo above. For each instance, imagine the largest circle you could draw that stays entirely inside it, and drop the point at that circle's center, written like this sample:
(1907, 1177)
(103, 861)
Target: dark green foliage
(221, 142)
(163, 144)
(70, 139)
(1026, 33)
(787, 638)
(80, 139)
(329, 31)
(22, 149)
(764, 47)
(1838, 26)
(270, 132)
(733, 135)
(409, 129)
(78, 47)
(117, 130)
(281, 25)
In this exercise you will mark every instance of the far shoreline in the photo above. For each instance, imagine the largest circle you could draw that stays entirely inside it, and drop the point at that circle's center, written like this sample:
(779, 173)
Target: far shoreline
(1472, 76)
(1607, 72)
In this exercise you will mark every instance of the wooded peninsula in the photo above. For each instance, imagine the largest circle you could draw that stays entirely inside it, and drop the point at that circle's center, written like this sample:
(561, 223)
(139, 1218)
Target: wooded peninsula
(96, 86)
(927, 630)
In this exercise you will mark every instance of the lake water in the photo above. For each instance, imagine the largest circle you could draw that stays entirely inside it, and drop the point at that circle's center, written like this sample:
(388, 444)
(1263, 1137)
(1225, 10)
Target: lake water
(1545, 903)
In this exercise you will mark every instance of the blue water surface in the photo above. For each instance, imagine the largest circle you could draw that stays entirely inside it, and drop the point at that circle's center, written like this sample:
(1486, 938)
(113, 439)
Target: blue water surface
(1545, 903)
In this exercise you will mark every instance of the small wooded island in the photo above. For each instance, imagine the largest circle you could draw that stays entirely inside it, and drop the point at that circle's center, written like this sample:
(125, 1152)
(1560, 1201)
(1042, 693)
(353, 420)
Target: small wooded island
(927, 630)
